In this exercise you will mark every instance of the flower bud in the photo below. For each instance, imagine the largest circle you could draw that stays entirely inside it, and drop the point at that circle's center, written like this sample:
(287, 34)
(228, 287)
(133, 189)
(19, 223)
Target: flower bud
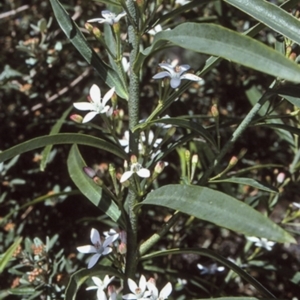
(98, 181)
(215, 111)
(159, 167)
(122, 248)
(195, 159)
(280, 177)
(89, 172)
(76, 118)
(233, 161)
(89, 27)
(187, 155)
(133, 159)
(97, 33)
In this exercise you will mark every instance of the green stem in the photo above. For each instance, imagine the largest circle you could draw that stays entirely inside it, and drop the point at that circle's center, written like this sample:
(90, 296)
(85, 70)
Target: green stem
(133, 113)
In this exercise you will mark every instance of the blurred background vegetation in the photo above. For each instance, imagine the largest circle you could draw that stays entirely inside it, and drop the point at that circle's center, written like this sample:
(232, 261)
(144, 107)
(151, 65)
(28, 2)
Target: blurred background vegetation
(42, 74)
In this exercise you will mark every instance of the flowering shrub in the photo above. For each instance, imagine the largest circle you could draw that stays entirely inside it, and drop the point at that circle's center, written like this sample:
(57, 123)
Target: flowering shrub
(191, 192)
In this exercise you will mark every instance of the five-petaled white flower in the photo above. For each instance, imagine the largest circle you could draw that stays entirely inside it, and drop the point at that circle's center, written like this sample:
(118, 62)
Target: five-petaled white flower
(108, 17)
(135, 168)
(138, 292)
(98, 247)
(164, 293)
(261, 242)
(97, 105)
(100, 286)
(176, 74)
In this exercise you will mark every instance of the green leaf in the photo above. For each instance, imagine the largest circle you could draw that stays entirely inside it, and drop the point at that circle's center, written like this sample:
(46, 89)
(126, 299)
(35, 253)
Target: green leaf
(218, 208)
(7, 255)
(248, 181)
(55, 129)
(73, 33)
(79, 277)
(270, 15)
(219, 41)
(88, 188)
(62, 138)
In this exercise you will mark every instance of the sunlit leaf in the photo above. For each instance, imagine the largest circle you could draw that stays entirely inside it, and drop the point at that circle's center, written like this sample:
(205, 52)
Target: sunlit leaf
(219, 41)
(218, 208)
(62, 138)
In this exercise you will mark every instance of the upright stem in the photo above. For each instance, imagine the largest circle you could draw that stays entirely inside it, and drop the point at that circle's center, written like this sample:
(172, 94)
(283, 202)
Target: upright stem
(133, 113)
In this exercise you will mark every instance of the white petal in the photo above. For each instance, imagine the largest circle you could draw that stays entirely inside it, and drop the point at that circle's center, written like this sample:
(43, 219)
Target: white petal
(89, 116)
(84, 106)
(107, 96)
(144, 173)
(97, 281)
(101, 295)
(108, 14)
(253, 239)
(95, 94)
(132, 285)
(110, 239)
(184, 68)
(142, 283)
(129, 296)
(86, 249)
(161, 75)
(95, 236)
(106, 251)
(93, 260)
(175, 82)
(167, 67)
(166, 291)
(108, 280)
(153, 289)
(190, 76)
(126, 176)
(95, 20)
(119, 16)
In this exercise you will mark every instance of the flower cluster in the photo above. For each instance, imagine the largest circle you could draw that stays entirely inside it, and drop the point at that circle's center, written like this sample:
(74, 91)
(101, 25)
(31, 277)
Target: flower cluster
(145, 290)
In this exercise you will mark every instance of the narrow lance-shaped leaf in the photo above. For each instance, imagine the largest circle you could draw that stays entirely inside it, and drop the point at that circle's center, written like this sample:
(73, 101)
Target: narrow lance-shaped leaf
(218, 208)
(219, 41)
(88, 188)
(73, 33)
(62, 138)
(272, 16)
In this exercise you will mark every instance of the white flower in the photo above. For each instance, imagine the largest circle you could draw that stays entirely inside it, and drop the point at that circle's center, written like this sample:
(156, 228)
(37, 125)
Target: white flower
(164, 293)
(135, 168)
(297, 205)
(108, 17)
(150, 139)
(97, 105)
(125, 64)
(182, 2)
(261, 243)
(138, 292)
(210, 270)
(98, 248)
(100, 286)
(176, 74)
